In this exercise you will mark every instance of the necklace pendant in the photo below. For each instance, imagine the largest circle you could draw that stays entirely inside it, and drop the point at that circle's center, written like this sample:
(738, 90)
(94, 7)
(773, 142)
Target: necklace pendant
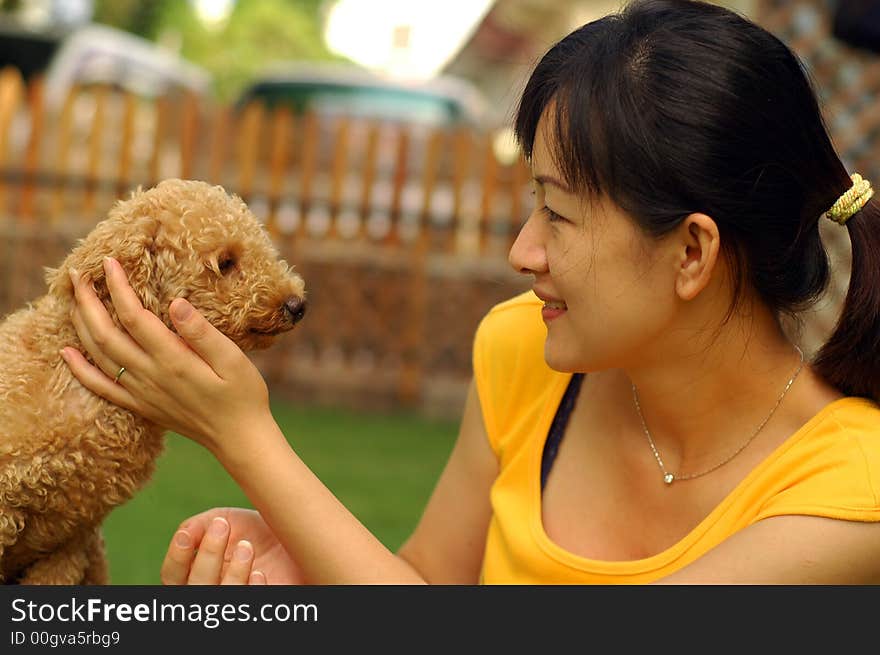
(668, 478)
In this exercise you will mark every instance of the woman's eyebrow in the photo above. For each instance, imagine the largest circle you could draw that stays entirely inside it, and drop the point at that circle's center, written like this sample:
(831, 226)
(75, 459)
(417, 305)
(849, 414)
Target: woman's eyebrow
(546, 179)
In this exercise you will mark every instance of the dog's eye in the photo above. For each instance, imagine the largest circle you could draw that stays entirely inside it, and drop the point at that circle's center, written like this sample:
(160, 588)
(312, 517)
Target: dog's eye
(226, 264)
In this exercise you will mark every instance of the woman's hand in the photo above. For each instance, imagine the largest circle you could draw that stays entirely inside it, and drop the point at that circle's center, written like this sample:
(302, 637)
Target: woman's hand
(227, 545)
(198, 384)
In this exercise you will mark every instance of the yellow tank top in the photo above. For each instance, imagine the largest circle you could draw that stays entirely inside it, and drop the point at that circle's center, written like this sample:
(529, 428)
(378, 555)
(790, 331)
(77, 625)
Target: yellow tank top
(830, 467)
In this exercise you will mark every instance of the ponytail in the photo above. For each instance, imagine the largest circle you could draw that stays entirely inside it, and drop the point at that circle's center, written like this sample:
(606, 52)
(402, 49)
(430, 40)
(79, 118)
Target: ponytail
(850, 359)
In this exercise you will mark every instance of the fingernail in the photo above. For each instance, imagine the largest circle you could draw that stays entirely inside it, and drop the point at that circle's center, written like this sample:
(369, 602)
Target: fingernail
(219, 527)
(74, 275)
(182, 539)
(243, 551)
(182, 309)
(64, 356)
(108, 265)
(257, 577)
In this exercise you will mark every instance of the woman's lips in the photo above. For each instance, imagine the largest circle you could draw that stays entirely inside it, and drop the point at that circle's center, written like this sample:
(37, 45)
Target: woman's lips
(553, 309)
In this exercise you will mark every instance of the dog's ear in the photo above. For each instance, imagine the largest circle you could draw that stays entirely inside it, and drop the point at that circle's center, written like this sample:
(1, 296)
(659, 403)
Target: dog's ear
(127, 236)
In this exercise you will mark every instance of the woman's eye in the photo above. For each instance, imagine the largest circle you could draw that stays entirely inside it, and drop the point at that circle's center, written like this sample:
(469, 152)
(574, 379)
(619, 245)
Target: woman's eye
(551, 215)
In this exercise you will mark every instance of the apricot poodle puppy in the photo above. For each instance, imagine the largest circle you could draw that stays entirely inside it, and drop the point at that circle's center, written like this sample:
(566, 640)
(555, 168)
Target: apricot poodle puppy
(68, 457)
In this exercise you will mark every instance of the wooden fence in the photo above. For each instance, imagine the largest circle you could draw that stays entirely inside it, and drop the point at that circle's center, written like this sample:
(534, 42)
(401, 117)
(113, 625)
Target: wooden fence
(401, 232)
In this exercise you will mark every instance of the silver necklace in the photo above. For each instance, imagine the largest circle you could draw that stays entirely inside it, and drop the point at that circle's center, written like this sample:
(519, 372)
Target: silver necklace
(669, 477)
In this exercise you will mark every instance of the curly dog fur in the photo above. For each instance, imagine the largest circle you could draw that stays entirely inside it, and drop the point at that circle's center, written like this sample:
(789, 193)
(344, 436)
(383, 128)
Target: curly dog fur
(67, 456)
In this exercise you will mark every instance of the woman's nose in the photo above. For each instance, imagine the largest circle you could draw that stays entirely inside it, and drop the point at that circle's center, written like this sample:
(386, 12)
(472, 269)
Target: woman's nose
(527, 254)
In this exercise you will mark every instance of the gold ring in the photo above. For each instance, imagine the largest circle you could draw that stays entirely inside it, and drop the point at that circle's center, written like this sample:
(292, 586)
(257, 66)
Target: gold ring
(119, 374)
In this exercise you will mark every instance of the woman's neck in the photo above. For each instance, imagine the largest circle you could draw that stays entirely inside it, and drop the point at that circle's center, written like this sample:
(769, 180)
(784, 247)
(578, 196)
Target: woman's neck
(702, 394)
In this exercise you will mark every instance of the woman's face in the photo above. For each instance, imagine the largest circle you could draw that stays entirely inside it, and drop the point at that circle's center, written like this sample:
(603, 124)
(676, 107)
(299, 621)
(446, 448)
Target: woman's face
(608, 289)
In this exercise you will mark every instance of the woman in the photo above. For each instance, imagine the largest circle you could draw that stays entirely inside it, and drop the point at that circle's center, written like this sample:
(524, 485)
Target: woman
(640, 416)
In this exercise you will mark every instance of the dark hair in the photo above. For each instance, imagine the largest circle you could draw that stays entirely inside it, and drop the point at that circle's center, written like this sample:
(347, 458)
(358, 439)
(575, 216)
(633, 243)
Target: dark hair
(674, 106)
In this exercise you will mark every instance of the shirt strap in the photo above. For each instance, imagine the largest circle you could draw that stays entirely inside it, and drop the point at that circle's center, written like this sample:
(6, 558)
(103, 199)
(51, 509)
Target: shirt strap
(557, 427)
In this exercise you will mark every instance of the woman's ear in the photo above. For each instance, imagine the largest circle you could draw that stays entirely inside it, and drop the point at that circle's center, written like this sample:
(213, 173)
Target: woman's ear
(699, 244)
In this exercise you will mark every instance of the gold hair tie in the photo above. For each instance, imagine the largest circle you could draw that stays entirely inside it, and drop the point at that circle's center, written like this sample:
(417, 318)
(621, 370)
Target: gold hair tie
(851, 201)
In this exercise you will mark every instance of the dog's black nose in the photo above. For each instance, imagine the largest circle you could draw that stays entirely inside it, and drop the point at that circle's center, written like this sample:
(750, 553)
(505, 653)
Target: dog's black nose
(295, 308)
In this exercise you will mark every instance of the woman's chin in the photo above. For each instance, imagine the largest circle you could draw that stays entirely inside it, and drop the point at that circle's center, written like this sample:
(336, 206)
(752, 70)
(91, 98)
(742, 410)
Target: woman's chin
(560, 360)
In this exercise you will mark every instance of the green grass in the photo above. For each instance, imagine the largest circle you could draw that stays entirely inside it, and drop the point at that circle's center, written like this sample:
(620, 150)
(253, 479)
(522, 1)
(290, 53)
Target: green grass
(381, 466)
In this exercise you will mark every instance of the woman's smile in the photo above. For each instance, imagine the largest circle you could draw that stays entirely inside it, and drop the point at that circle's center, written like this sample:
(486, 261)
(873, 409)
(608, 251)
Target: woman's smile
(553, 307)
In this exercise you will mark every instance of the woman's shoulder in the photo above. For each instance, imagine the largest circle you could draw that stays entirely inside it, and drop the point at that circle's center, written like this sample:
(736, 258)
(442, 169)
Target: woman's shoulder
(858, 423)
(831, 467)
(856, 413)
(850, 423)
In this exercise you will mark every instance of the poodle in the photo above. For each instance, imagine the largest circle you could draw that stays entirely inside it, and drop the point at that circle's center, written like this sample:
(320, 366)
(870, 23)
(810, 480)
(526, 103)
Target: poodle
(67, 456)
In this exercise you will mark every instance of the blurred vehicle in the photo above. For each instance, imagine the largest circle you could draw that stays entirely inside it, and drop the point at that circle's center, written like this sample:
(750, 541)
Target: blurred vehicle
(384, 125)
(101, 55)
(108, 68)
(27, 50)
(340, 89)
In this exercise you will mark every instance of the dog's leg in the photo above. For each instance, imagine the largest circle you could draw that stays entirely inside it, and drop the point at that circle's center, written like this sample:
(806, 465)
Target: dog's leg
(66, 565)
(11, 524)
(97, 572)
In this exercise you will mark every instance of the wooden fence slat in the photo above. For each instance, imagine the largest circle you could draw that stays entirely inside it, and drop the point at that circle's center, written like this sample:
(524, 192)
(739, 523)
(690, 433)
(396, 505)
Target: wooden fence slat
(218, 145)
(282, 129)
(62, 159)
(11, 94)
(189, 130)
(126, 144)
(462, 161)
(338, 173)
(414, 332)
(308, 164)
(429, 177)
(489, 183)
(154, 171)
(32, 150)
(249, 131)
(398, 181)
(96, 143)
(368, 176)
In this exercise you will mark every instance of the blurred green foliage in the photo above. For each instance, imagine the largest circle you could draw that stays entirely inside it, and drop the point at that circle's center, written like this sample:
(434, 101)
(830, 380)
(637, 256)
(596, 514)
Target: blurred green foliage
(256, 33)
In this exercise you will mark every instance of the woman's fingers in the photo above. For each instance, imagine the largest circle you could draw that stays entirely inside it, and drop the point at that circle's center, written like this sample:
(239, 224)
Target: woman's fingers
(104, 362)
(109, 346)
(220, 353)
(146, 329)
(239, 569)
(178, 559)
(183, 547)
(96, 381)
(208, 563)
(197, 553)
